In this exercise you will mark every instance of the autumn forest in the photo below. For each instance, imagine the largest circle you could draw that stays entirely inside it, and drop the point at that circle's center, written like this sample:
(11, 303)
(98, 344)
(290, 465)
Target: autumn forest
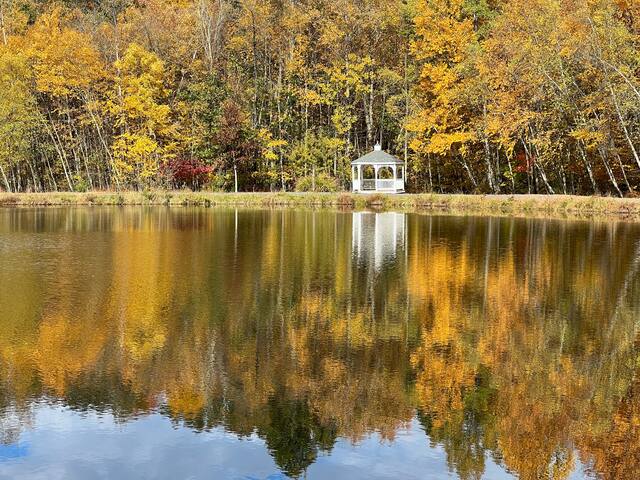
(477, 96)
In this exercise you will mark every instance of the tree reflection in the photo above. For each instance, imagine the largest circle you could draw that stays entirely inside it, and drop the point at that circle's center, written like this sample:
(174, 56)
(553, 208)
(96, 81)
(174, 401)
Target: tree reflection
(294, 435)
(505, 337)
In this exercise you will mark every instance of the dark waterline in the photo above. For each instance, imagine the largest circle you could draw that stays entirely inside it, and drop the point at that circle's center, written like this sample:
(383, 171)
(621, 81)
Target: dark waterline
(216, 343)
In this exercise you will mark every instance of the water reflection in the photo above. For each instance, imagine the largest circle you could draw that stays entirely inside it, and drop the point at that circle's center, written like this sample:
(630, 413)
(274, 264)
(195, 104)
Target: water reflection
(378, 237)
(498, 346)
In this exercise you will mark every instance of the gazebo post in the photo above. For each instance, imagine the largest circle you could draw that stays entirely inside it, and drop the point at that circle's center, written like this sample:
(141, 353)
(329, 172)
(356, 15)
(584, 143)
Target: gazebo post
(356, 178)
(375, 176)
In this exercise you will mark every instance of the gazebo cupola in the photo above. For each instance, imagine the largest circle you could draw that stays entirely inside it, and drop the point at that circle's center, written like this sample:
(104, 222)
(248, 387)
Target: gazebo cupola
(378, 171)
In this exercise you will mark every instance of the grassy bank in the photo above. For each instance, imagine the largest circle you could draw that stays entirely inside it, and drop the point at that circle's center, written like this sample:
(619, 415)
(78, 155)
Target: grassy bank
(557, 205)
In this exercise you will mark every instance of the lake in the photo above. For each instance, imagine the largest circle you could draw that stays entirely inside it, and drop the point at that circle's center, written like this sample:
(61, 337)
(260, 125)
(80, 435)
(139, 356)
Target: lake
(265, 344)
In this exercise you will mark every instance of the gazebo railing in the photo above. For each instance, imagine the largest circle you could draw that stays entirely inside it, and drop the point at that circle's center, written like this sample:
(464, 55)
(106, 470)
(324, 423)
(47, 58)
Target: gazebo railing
(385, 184)
(368, 184)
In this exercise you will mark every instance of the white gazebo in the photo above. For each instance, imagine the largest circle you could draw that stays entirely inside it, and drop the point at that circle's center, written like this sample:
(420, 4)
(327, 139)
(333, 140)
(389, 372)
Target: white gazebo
(378, 171)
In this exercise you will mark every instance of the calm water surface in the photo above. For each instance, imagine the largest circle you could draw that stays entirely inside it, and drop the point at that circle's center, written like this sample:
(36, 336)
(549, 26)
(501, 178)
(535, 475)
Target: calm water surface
(212, 343)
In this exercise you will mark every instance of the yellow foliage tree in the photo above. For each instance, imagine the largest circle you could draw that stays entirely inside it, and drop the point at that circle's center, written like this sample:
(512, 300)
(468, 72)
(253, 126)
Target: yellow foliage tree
(444, 37)
(141, 116)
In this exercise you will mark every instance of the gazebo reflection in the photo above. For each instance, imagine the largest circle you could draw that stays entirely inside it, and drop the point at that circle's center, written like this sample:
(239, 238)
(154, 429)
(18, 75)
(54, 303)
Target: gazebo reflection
(378, 237)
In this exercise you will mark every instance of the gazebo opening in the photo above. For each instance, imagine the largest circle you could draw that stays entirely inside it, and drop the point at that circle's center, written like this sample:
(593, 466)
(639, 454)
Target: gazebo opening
(385, 173)
(378, 171)
(368, 177)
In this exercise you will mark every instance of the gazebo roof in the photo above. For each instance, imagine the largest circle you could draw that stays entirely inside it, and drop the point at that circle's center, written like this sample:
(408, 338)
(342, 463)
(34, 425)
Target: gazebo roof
(378, 156)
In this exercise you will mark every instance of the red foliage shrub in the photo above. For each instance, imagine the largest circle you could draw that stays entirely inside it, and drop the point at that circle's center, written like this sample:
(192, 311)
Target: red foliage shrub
(187, 172)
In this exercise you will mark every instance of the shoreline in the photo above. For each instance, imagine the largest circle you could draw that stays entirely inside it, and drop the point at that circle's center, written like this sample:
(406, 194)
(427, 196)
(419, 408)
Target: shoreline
(493, 205)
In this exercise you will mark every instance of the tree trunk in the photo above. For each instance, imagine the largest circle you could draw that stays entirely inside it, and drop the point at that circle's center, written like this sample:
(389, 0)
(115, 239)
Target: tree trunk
(367, 105)
(406, 116)
(464, 163)
(513, 180)
(543, 175)
(624, 128)
(6, 181)
(235, 178)
(2, 27)
(490, 176)
(114, 168)
(609, 170)
(60, 152)
(624, 174)
(537, 164)
(254, 121)
(587, 165)
(278, 102)
(493, 186)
